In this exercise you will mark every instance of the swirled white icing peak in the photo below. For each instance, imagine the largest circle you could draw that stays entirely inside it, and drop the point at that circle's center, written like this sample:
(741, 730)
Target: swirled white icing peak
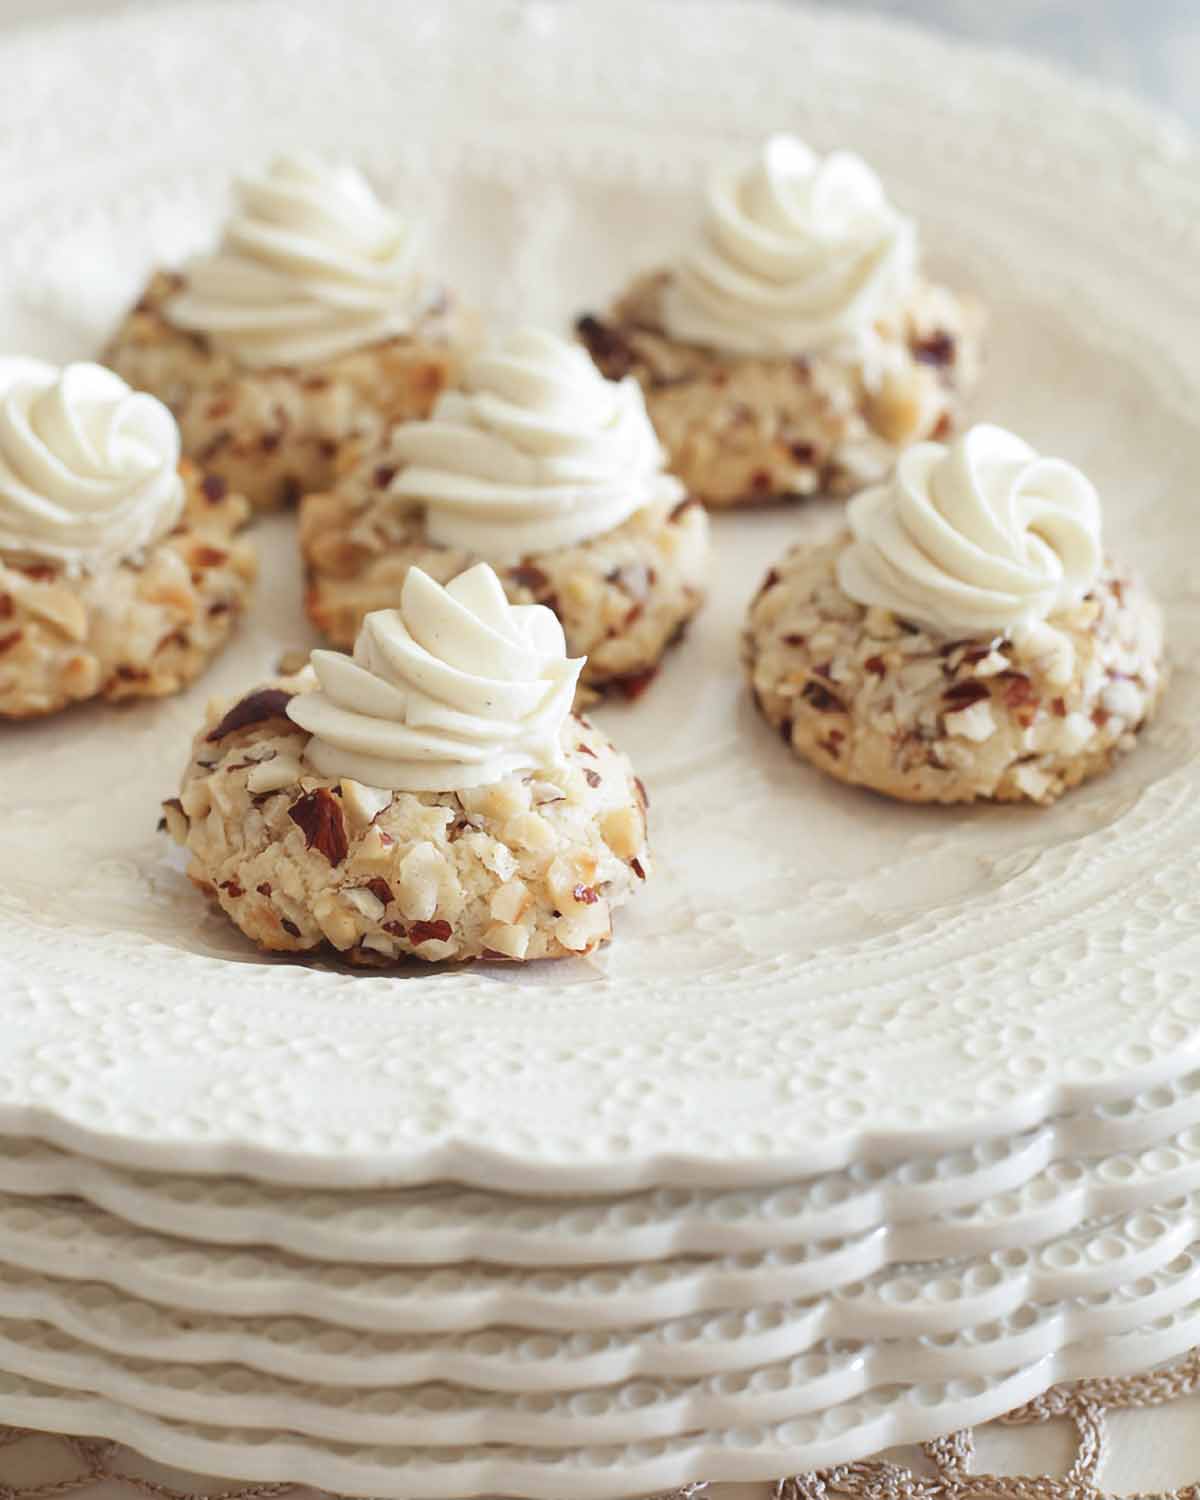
(311, 265)
(536, 450)
(981, 537)
(89, 469)
(456, 688)
(799, 252)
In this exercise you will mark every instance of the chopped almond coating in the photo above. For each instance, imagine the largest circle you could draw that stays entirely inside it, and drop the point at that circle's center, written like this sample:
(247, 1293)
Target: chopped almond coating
(141, 628)
(478, 874)
(876, 701)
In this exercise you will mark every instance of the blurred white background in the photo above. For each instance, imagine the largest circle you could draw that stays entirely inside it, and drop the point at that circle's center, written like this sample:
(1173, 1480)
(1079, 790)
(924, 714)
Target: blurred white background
(1148, 46)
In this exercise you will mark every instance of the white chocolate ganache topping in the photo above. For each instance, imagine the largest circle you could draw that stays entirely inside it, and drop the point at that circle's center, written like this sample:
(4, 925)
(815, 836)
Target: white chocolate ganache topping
(975, 539)
(799, 253)
(310, 266)
(536, 450)
(456, 688)
(89, 469)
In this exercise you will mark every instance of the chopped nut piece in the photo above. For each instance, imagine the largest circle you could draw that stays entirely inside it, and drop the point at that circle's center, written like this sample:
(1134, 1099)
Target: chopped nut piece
(498, 857)
(80, 677)
(175, 820)
(319, 817)
(374, 851)
(880, 624)
(338, 925)
(622, 831)
(1049, 648)
(365, 902)
(377, 942)
(900, 407)
(510, 902)
(274, 775)
(584, 927)
(420, 874)
(1018, 690)
(821, 698)
(255, 708)
(976, 722)
(503, 800)
(513, 942)
(429, 932)
(363, 804)
(529, 830)
(61, 607)
(529, 576)
(962, 694)
(1123, 698)
(1032, 781)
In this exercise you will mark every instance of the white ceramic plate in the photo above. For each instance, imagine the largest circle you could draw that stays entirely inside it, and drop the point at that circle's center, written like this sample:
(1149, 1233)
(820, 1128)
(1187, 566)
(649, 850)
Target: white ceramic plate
(967, 1203)
(813, 977)
(882, 1417)
(449, 1416)
(64, 1239)
(519, 1360)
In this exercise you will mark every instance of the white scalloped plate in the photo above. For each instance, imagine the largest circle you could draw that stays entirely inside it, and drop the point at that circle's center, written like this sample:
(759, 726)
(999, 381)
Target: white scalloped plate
(449, 1416)
(881, 1417)
(65, 1239)
(518, 1360)
(813, 977)
(1001, 1194)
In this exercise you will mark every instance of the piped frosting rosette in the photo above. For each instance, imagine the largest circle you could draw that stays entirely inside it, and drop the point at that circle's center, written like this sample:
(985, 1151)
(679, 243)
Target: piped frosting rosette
(310, 266)
(981, 538)
(799, 252)
(537, 450)
(89, 469)
(456, 688)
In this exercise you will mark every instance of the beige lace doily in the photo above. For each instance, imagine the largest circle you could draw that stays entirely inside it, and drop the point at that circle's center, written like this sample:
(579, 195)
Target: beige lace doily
(37, 1466)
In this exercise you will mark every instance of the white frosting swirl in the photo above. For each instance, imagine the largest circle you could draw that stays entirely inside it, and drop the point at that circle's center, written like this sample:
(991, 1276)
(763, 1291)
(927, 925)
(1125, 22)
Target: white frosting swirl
(535, 451)
(800, 252)
(456, 688)
(982, 537)
(311, 265)
(89, 469)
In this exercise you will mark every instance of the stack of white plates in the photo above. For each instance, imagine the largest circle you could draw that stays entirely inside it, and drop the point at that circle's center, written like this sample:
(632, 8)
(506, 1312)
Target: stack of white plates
(873, 1120)
(445, 1340)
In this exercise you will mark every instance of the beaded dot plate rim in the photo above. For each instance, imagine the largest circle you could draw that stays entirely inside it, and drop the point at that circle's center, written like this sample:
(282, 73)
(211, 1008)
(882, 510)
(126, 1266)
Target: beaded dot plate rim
(644, 1409)
(500, 1358)
(278, 1139)
(844, 1293)
(934, 1208)
(895, 1415)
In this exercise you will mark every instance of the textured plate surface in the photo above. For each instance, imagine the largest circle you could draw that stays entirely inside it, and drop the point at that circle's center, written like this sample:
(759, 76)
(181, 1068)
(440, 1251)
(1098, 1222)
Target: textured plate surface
(839, 1434)
(61, 1238)
(448, 1416)
(998, 1194)
(518, 1360)
(813, 977)
(967, 1203)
